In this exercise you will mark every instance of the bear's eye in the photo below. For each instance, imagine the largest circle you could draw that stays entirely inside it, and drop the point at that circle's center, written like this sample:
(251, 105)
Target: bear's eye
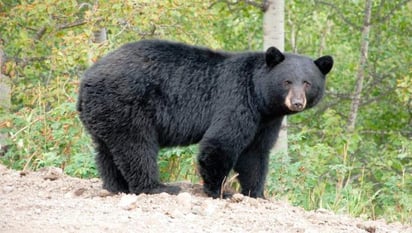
(288, 83)
(307, 84)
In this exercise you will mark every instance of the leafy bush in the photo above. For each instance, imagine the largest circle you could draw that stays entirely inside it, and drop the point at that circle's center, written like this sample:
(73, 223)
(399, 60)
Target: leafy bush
(178, 164)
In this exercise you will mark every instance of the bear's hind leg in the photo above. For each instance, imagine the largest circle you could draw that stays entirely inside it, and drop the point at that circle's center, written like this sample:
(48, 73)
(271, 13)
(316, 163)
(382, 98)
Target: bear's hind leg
(113, 180)
(136, 158)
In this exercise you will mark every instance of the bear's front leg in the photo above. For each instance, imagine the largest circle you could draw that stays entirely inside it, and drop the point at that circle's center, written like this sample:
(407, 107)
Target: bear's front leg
(215, 163)
(220, 148)
(252, 164)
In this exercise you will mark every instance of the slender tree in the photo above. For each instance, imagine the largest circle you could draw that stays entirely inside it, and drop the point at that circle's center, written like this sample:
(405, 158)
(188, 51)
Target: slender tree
(361, 68)
(274, 35)
(5, 100)
(5, 97)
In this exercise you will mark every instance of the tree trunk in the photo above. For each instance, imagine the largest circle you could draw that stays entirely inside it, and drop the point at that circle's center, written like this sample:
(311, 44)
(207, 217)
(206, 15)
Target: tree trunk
(5, 100)
(99, 37)
(5, 89)
(273, 24)
(274, 35)
(361, 69)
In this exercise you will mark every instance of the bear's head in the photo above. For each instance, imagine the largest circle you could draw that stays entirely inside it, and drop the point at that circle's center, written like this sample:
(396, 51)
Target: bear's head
(291, 83)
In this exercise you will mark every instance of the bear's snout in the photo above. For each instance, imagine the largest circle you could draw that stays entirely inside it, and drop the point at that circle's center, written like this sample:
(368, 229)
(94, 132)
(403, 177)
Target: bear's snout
(295, 101)
(297, 105)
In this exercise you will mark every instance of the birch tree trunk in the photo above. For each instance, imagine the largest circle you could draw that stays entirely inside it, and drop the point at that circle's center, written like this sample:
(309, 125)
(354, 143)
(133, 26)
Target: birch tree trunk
(5, 89)
(5, 99)
(99, 36)
(361, 69)
(273, 24)
(273, 35)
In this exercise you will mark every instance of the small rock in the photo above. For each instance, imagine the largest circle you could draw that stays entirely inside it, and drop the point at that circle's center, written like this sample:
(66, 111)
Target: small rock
(298, 230)
(143, 197)
(69, 195)
(95, 180)
(164, 195)
(128, 202)
(154, 219)
(184, 200)
(23, 173)
(237, 197)
(208, 208)
(105, 193)
(175, 214)
(197, 210)
(323, 211)
(79, 192)
(3, 168)
(253, 202)
(53, 173)
(8, 189)
(367, 227)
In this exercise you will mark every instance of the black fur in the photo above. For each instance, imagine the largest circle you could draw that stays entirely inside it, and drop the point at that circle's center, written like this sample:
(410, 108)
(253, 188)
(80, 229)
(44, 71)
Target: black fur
(152, 94)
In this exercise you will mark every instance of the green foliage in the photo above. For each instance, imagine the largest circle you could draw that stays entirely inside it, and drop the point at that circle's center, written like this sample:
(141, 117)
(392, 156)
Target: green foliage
(42, 138)
(178, 164)
(332, 174)
(366, 172)
(48, 44)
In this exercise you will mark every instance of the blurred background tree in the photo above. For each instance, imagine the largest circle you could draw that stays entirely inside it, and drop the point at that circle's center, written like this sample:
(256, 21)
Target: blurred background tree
(359, 165)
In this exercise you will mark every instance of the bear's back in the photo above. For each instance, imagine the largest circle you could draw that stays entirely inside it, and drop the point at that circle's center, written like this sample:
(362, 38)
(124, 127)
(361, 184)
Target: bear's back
(167, 52)
(158, 62)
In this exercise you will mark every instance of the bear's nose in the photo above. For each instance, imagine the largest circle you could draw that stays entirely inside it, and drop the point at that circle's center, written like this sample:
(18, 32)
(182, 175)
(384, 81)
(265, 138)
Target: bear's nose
(298, 104)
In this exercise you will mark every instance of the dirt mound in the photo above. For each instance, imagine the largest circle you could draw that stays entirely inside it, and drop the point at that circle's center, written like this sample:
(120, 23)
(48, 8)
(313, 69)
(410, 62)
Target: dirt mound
(48, 201)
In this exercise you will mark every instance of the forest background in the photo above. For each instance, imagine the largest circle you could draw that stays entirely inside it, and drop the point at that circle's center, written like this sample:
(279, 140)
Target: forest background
(360, 164)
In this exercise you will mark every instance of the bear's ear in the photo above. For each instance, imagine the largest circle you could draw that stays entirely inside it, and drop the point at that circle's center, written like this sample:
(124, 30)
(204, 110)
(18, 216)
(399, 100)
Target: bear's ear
(274, 57)
(324, 64)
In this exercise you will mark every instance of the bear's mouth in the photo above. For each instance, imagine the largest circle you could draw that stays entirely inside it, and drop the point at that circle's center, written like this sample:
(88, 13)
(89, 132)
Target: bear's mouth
(296, 107)
(295, 104)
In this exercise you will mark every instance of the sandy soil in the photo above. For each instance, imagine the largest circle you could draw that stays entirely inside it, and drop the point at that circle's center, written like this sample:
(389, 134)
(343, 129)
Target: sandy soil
(48, 201)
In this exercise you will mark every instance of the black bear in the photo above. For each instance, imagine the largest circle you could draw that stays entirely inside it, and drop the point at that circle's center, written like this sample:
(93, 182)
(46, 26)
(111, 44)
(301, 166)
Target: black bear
(153, 93)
